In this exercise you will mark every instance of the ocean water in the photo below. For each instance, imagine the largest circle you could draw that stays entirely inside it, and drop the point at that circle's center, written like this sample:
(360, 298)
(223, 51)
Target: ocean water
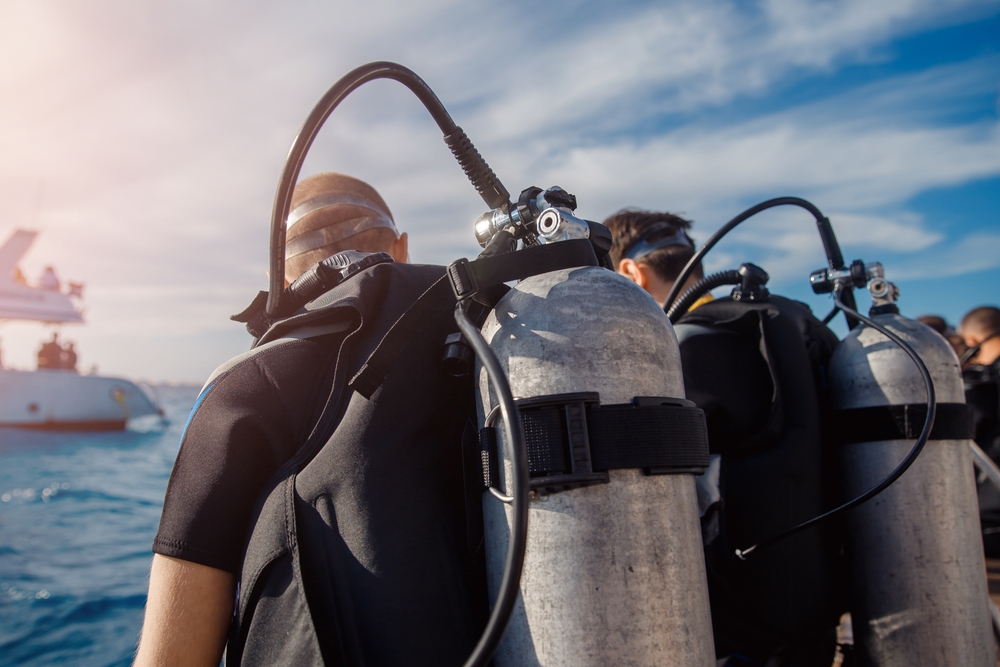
(78, 512)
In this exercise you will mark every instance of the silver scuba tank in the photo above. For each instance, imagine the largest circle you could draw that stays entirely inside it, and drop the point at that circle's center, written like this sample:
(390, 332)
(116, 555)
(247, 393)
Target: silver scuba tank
(919, 593)
(614, 572)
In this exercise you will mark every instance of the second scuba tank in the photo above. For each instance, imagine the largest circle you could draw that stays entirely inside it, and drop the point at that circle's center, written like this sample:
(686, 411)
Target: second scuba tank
(614, 573)
(919, 587)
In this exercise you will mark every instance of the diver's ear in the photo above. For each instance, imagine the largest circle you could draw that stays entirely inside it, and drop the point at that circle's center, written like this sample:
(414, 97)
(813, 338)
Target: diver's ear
(634, 272)
(400, 250)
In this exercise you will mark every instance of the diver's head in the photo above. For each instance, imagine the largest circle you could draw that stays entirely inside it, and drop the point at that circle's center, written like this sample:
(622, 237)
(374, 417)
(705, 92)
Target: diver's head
(651, 249)
(332, 212)
(981, 330)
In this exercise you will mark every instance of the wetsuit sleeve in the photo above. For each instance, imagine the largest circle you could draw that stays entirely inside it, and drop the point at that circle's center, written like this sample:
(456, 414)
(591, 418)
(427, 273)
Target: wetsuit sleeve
(248, 420)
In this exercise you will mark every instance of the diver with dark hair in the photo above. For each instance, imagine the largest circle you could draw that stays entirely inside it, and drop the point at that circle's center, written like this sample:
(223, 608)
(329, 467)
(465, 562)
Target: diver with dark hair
(650, 249)
(981, 372)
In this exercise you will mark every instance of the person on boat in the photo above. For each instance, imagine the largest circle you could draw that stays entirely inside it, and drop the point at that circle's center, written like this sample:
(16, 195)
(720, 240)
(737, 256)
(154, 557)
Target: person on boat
(980, 329)
(651, 249)
(68, 361)
(49, 280)
(50, 354)
(239, 434)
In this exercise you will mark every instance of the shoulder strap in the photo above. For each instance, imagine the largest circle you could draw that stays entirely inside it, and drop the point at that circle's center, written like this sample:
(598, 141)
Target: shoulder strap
(465, 279)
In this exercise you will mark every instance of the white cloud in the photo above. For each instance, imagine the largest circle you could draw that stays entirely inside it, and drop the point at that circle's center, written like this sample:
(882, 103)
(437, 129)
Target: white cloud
(976, 252)
(904, 233)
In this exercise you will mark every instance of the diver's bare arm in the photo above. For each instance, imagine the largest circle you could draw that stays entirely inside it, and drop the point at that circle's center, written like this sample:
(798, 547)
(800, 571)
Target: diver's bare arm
(187, 614)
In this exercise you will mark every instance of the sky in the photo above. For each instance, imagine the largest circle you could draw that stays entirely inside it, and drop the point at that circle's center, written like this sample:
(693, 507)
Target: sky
(144, 140)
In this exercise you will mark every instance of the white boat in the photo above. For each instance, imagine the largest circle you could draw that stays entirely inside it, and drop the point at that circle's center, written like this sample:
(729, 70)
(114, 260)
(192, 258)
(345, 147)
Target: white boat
(64, 400)
(56, 399)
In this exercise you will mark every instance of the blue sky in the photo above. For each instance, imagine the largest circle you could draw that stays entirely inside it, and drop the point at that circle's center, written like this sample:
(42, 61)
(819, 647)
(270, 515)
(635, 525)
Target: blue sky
(145, 140)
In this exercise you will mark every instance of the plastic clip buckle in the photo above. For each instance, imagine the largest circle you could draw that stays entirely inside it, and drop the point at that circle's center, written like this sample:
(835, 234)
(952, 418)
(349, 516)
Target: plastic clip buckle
(573, 418)
(463, 281)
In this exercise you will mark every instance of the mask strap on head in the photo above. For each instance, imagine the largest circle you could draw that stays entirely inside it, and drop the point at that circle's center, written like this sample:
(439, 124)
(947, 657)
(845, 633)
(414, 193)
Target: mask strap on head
(642, 246)
(340, 231)
(333, 199)
(971, 353)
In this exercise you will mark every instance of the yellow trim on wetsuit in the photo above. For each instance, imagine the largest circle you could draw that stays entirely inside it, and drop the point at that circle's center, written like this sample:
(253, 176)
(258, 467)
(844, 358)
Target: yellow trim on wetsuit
(702, 301)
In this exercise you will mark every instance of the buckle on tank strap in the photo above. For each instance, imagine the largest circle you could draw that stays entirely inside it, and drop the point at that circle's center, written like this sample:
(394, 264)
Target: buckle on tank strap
(463, 280)
(573, 440)
(558, 441)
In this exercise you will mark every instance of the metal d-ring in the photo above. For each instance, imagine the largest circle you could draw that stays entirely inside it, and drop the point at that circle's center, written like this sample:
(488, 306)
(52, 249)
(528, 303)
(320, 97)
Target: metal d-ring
(488, 423)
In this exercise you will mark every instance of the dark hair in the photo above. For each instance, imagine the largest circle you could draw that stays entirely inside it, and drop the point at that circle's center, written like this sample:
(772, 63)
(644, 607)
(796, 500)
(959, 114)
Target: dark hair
(983, 320)
(628, 226)
(935, 322)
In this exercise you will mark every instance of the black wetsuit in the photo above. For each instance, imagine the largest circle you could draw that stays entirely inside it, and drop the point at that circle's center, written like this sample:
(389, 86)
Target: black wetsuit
(251, 417)
(354, 500)
(982, 392)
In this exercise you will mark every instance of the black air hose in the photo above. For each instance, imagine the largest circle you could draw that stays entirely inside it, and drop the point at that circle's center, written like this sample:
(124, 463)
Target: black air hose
(475, 167)
(918, 446)
(510, 589)
(700, 288)
(834, 257)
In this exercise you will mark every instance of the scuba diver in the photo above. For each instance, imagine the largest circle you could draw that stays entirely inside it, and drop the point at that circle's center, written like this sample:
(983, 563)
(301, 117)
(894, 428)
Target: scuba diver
(980, 328)
(650, 249)
(250, 418)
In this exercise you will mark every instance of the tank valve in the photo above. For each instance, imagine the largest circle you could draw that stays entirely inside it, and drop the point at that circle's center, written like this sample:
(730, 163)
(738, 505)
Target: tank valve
(520, 219)
(883, 293)
(825, 281)
(859, 274)
(555, 224)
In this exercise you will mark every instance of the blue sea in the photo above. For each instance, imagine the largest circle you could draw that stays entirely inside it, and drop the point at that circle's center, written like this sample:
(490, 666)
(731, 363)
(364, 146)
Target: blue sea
(78, 512)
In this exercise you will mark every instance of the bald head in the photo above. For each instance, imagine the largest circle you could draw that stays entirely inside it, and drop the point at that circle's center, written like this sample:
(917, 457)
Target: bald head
(332, 212)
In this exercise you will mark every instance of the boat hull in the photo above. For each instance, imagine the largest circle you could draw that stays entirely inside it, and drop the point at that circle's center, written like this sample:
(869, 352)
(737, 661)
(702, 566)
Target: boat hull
(66, 401)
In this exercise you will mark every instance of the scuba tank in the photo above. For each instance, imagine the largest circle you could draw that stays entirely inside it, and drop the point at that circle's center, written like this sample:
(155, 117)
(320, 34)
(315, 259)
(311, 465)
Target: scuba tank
(919, 594)
(613, 572)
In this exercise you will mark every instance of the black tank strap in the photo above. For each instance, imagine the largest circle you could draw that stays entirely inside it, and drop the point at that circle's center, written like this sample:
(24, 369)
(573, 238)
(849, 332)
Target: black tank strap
(952, 421)
(465, 279)
(661, 438)
(574, 441)
(468, 278)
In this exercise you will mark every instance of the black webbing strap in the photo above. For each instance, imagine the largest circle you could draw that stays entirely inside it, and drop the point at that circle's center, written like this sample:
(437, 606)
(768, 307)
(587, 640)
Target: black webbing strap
(658, 437)
(953, 421)
(467, 277)
(573, 441)
(389, 349)
(464, 279)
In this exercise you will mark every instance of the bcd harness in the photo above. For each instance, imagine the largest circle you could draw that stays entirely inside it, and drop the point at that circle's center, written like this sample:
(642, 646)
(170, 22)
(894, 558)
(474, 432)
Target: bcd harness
(366, 546)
